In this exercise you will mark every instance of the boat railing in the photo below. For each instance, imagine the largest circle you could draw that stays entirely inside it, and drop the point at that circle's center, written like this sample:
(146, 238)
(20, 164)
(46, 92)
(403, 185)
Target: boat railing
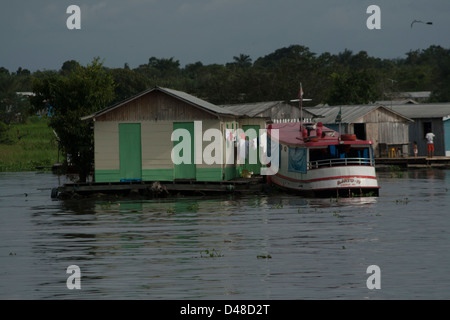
(340, 162)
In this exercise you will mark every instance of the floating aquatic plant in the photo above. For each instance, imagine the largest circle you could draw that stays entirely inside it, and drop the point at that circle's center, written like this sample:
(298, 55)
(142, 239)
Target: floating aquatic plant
(210, 253)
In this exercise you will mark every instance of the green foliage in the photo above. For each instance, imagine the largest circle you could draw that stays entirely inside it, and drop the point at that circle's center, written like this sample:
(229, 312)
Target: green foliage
(128, 83)
(210, 254)
(342, 78)
(81, 92)
(4, 139)
(29, 145)
(12, 106)
(75, 91)
(352, 87)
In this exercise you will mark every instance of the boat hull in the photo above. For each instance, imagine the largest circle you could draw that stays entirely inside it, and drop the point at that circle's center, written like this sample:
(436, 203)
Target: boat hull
(342, 181)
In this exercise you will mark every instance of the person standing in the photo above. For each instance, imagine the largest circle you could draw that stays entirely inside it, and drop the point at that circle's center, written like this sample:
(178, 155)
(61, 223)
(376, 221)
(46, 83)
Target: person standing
(415, 149)
(430, 144)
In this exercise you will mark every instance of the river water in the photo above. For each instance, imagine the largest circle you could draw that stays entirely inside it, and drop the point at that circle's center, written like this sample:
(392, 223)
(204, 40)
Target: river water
(252, 247)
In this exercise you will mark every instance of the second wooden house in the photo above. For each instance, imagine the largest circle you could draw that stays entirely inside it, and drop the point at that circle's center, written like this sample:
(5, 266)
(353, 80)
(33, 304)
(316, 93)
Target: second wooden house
(386, 128)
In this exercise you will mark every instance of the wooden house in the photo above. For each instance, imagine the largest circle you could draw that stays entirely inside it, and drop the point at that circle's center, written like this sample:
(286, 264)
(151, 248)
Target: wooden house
(386, 128)
(428, 117)
(133, 139)
(275, 111)
(258, 115)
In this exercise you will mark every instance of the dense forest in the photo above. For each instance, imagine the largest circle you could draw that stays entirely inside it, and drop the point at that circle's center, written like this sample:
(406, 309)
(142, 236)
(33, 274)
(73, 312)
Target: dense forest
(74, 91)
(344, 78)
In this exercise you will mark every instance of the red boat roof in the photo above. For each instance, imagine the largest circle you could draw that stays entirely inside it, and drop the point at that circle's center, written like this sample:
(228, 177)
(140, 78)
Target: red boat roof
(290, 134)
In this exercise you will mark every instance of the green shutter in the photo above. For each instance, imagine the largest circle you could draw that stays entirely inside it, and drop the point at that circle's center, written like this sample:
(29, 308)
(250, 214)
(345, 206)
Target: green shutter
(250, 165)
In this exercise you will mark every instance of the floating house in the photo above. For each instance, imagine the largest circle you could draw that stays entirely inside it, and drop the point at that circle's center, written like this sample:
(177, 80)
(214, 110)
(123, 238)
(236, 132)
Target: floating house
(417, 96)
(258, 115)
(386, 128)
(135, 140)
(276, 111)
(428, 117)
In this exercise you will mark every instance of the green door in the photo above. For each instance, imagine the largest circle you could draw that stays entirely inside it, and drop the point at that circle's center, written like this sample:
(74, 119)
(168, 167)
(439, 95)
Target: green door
(252, 163)
(130, 151)
(186, 169)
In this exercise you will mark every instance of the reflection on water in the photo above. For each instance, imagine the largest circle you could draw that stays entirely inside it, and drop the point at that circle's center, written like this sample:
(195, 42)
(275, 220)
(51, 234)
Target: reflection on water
(218, 248)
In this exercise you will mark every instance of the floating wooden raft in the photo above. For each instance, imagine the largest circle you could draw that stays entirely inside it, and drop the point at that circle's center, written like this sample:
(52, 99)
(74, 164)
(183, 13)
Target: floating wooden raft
(240, 185)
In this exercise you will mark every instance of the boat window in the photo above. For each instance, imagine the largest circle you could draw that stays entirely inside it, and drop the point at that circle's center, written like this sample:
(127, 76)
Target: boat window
(347, 151)
(339, 155)
(319, 154)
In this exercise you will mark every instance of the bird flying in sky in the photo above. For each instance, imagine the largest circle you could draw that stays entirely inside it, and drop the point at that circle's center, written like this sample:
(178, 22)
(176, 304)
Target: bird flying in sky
(418, 21)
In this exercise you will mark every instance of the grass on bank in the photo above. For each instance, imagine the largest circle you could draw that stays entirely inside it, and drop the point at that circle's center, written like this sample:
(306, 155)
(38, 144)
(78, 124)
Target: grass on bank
(25, 147)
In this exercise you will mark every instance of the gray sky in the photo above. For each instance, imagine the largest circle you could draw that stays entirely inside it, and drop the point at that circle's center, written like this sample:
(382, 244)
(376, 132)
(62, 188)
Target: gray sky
(34, 34)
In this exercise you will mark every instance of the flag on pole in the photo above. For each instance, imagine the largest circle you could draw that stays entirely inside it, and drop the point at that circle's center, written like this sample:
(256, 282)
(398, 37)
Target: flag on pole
(339, 116)
(300, 94)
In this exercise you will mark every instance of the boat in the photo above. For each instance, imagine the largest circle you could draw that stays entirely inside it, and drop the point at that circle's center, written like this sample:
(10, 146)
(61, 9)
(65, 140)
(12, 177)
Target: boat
(316, 160)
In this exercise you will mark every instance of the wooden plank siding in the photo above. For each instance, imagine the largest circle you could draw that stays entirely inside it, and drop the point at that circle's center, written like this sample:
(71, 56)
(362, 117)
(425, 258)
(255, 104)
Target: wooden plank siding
(383, 127)
(417, 133)
(155, 106)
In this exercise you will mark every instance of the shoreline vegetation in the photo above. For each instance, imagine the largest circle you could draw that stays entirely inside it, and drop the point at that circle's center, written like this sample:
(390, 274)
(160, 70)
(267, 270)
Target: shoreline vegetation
(29, 146)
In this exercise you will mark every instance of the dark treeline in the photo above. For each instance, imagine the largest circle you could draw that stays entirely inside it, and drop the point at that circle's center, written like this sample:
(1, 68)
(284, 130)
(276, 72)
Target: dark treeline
(343, 78)
(75, 91)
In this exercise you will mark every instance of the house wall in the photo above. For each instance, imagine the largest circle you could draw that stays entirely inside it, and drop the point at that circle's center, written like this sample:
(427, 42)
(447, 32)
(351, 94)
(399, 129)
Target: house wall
(383, 127)
(285, 111)
(447, 137)
(156, 146)
(416, 133)
(156, 112)
(106, 155)
(261, 122)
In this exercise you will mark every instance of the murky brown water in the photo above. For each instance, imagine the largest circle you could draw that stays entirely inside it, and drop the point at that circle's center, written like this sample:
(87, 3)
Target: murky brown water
(219, 248)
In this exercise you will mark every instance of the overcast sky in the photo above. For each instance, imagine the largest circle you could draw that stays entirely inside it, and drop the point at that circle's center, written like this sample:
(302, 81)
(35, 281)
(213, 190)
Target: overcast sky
(34, 34)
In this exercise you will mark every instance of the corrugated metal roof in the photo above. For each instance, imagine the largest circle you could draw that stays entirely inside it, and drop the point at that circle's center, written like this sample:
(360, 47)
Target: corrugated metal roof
(396, 102)
(416, 94)
(429, 110)
(349, 114)
(202, 104)
(256, 108)
(251, 109)
(198, 102)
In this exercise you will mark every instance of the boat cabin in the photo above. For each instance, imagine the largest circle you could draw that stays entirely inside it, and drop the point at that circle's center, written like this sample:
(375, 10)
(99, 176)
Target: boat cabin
(317, 159)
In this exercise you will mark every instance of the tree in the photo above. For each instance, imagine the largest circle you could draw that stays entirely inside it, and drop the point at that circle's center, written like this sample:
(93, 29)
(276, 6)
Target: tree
(69, 66)
(8, 97)
(84, 91)
(441, 92)
(242, 61)
(127, 83)
(353, 87)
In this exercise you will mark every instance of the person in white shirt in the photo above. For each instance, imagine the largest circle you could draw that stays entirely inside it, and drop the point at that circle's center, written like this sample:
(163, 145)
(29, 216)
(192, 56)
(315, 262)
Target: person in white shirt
(430, 144)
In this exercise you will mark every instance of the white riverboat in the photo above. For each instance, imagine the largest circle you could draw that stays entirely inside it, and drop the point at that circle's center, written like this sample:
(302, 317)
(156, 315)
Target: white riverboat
(317, 160)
